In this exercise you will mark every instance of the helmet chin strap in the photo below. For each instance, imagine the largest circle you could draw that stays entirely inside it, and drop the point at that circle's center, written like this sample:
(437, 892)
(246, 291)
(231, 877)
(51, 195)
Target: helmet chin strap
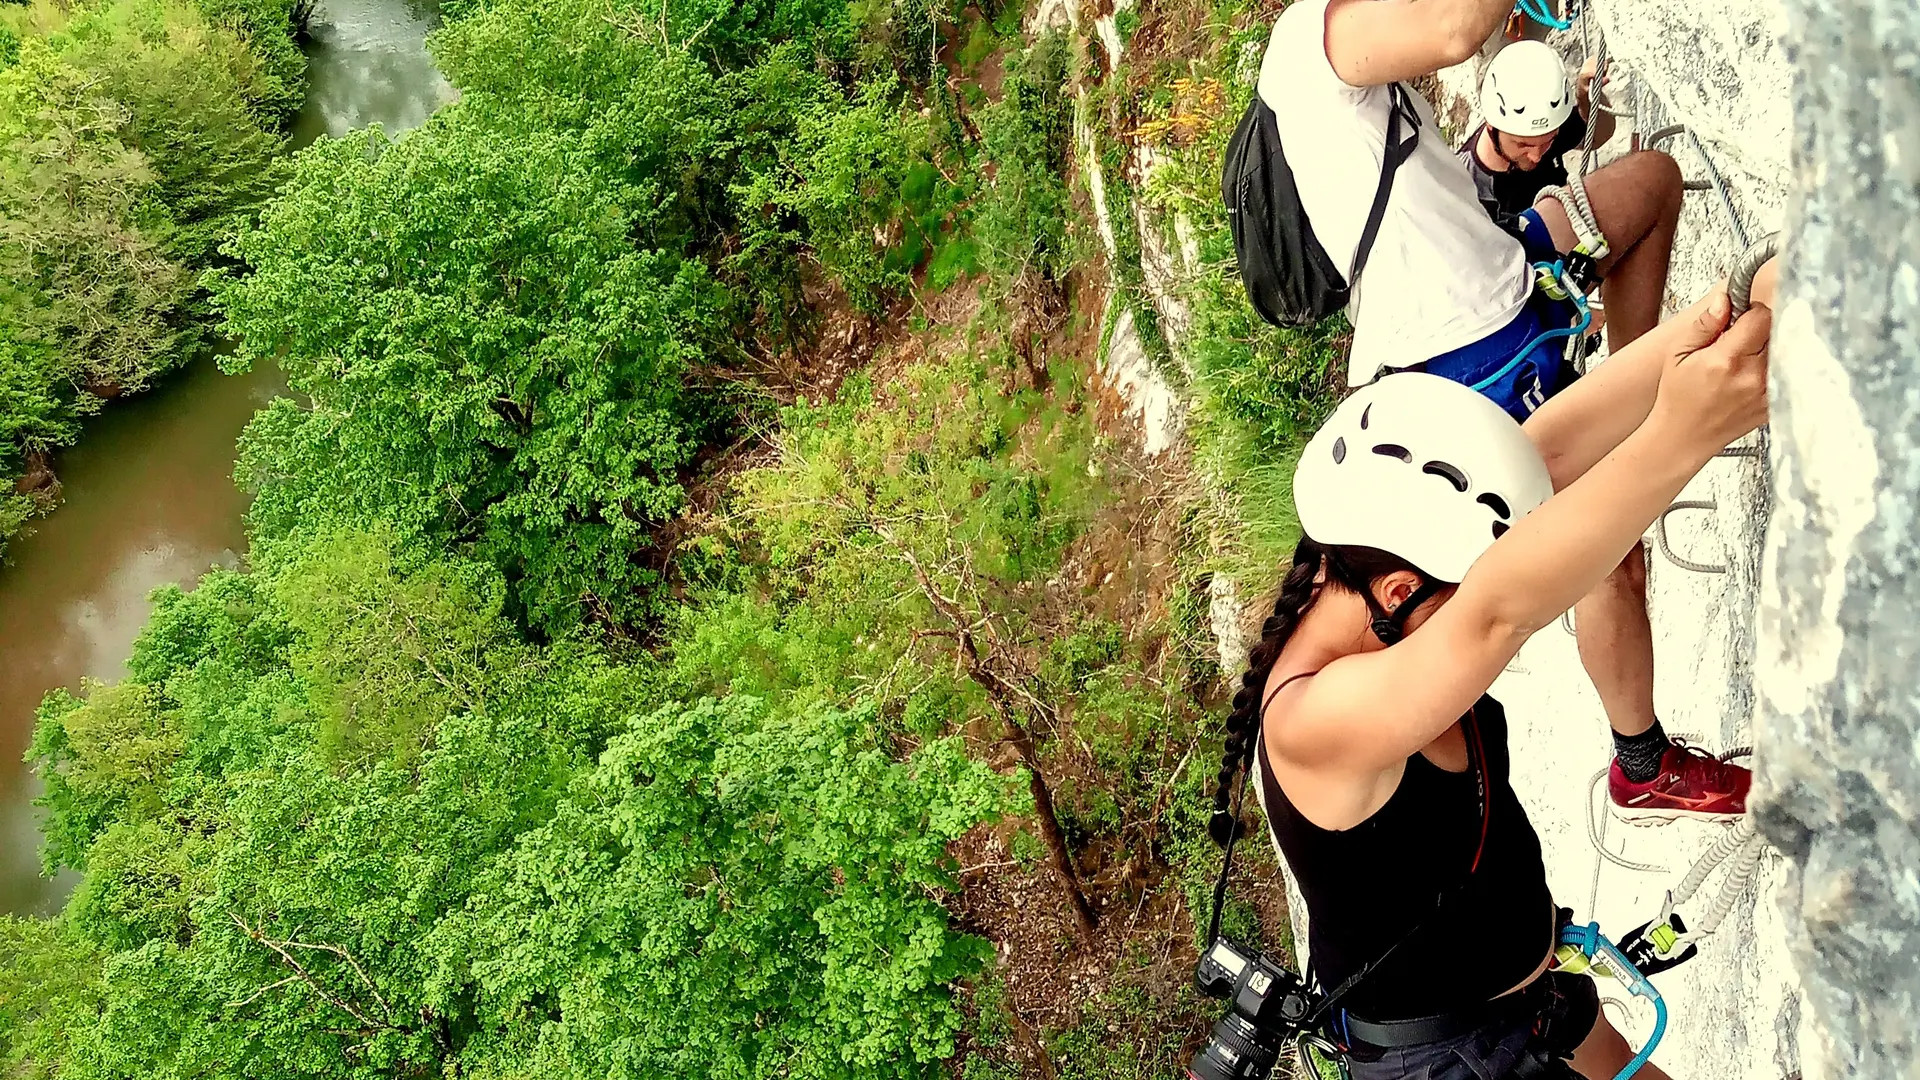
(1501, 151)
(1389, 627)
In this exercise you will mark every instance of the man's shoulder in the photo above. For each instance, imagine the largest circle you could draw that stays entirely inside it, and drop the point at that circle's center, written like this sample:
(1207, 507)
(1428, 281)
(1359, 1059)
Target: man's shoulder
(1482, 176)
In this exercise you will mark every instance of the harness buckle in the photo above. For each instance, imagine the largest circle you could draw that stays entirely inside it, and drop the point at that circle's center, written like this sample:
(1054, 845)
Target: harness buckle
(1659, 944)
(1583, 269)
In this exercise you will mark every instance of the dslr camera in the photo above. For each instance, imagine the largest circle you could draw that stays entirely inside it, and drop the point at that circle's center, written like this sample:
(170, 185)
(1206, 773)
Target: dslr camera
(1268, 1007)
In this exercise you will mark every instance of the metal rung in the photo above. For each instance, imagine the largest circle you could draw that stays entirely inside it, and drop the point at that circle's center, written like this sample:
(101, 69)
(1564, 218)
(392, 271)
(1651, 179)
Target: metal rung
(1660, 536)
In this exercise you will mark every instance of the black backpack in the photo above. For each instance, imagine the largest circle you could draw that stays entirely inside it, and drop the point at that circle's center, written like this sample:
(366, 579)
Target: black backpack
(1288, 276)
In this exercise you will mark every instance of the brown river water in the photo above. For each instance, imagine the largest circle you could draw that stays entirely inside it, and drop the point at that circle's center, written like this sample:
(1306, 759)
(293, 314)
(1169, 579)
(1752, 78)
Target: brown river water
(150, 498)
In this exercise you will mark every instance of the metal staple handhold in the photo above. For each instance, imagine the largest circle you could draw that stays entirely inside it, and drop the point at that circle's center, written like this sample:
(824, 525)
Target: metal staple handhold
(1660, 536)
(1745, 268)
(1714, 182)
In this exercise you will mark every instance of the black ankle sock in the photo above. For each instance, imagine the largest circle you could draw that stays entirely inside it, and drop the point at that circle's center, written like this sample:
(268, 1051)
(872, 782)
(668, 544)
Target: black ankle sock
(1640, 755)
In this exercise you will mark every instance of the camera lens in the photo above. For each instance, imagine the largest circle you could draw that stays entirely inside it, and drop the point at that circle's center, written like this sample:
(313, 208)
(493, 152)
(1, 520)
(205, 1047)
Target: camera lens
(1236, 1051)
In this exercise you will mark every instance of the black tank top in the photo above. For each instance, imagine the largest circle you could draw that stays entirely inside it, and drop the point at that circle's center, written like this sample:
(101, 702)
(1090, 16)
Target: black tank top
(1367, 886)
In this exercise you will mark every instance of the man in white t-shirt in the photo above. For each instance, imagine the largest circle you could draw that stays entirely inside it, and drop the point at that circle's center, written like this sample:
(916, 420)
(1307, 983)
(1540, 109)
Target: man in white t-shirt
(1449, 291)
(1445, 287)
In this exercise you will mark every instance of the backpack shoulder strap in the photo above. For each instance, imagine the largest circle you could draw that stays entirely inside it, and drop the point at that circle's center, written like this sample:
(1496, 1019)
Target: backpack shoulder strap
(1399, 108)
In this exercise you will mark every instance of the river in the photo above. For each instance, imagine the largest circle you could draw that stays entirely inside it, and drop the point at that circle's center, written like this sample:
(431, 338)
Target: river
(150, 498)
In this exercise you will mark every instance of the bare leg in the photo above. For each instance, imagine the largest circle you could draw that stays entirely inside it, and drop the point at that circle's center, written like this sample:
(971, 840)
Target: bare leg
(1615, 638)
(1604, 1053)
(1636, 203)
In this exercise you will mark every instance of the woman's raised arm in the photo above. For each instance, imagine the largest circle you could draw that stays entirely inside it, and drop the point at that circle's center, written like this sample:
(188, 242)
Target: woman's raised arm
(1367, 711)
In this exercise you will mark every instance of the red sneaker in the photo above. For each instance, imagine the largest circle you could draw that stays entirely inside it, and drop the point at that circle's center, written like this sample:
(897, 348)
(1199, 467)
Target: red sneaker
(1692, 784)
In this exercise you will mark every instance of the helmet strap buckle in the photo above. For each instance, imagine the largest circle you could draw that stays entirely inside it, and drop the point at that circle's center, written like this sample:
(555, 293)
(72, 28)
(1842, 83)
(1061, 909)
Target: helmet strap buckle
(1391, 627)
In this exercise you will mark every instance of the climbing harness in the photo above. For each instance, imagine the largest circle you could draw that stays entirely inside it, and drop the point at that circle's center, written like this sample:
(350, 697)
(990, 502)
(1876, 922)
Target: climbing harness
(1584, 949)
(1554, 279)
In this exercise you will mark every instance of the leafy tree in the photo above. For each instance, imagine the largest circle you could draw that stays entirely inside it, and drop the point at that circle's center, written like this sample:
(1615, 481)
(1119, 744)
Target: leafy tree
(912, 529)
(270, 28)
(842, 181)
(48, 989)
(104, 758)
(199, 107)
(506, 323)
(488, 358)
(134, 136)
(1021, 219)
(732, 897)
(86, 286)
(542, 869)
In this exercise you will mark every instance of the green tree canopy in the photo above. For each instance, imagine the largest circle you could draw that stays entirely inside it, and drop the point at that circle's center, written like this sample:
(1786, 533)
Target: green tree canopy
(519, 863)
(487, 356)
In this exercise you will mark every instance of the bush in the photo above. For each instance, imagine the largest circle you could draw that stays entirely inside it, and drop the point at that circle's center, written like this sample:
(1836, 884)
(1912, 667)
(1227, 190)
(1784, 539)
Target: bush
(1020, 219)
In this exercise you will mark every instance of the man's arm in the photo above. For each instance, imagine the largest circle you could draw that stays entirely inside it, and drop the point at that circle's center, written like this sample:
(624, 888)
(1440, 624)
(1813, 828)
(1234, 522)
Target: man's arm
(1375, 42)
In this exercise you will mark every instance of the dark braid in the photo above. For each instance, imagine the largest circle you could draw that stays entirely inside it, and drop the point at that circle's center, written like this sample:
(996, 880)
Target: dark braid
(1351, 568)
(1243, 723)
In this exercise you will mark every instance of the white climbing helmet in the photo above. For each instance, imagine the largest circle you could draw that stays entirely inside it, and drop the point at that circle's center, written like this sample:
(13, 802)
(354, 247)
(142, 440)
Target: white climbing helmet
(1525, 91)
(1420, 467)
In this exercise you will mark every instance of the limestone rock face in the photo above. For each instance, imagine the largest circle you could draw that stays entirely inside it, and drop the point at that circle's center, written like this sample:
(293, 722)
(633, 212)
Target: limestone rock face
(1838, 726)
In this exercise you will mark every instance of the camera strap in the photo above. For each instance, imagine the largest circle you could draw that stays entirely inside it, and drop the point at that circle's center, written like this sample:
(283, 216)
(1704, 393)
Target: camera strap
(1476, 763)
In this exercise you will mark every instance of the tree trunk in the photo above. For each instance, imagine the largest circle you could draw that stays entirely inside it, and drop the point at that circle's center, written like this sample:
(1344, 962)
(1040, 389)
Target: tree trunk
(1838, 782)
(1010, 700)
(1058, 856)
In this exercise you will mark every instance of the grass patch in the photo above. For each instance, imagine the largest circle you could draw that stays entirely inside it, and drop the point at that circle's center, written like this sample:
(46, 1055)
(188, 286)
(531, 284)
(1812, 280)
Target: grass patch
(1257, 392)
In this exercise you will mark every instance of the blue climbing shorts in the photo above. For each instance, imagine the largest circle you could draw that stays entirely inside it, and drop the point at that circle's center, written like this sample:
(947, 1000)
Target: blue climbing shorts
(1525, 386)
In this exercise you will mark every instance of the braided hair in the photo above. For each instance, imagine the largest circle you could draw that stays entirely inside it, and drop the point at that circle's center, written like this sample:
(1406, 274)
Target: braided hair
(1350, 568)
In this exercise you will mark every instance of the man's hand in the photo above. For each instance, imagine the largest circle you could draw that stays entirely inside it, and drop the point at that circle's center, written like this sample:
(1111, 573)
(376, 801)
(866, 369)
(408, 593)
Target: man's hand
(1584, 85)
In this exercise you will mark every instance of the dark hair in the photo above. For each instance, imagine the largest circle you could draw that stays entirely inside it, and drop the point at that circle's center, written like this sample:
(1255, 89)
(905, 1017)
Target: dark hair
(1352, 568)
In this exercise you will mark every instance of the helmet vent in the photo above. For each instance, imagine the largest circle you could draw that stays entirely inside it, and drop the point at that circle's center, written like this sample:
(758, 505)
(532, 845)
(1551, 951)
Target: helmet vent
(1500, 529)
(1364, 414)
(1452, 474)
(1393, 451)
(1339, 451)
(1498, 504)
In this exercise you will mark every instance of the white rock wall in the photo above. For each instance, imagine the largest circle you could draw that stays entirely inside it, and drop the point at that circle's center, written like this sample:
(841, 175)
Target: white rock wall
(1839, 724)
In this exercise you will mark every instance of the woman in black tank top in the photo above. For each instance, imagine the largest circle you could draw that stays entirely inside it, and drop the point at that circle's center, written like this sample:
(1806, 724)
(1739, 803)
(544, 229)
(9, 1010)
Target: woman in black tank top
(1432, 551)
